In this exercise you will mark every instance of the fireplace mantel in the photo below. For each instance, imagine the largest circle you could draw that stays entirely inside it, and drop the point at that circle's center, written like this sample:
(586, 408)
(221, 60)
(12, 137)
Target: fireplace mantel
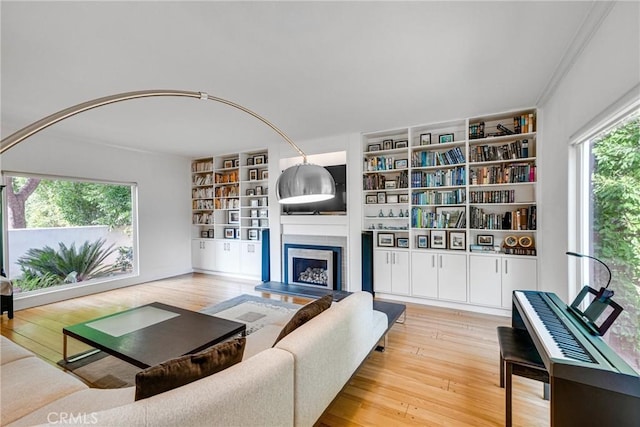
(320, 225)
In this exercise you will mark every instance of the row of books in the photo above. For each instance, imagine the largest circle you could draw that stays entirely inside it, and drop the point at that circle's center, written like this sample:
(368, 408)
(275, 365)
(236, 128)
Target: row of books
(439, 178)
(486, 153)
(452, 197)
(381, 163)
(520, 251)
(518, 219)
(203, 204)
(227, 203)
(426, 218)
(453, 156)
(227, 177)
(504, 174)
(523, 123)
(228, 191)
(202, 193)
(203, 179)
(202, 218)
(380, 182)
(501, 196)
(199, 167)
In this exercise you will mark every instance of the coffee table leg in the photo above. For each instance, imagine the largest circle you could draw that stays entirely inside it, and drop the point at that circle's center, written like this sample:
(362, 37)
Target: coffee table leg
(64, 347)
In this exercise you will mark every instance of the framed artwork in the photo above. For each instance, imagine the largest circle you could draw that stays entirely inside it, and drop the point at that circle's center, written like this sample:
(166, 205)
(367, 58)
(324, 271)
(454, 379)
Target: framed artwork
(445, 137)
(249, 161)
(253, 234)
(236, 163)
(374, 147)
(204, 233)
(251, 192)
(254, 213)
(401, 164)
(227, 164)
(402, 242)
(392, 198)
(423, 242)
(404, 198)
(254, 203)
(210, 233)
(259, 160)
(449, 217)
(263, 201)
(457, 240)
(253, 174)
(484, 240)
(371, 199)
(264, 213)
(264, 223)
(425, 139)
(386, 239)
(255, 223)
(438, 239)
(259, 190)
(387, 144)
(264, 174)
(401, 144)
(389, 185)
(234, 217)
(229, 233)
(382, 197)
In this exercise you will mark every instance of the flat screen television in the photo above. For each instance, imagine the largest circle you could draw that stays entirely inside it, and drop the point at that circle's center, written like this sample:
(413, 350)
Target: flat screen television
(335, 206)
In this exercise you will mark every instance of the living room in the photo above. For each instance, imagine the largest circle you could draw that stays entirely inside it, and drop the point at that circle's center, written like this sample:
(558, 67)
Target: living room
(324, 73)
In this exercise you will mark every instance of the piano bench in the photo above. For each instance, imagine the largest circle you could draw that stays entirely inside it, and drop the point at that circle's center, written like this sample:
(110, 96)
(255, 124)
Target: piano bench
(518, 356)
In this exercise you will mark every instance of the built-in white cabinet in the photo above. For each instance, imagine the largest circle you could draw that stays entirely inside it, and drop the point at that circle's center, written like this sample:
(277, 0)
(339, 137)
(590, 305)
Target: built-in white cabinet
(251, 258)
(424, 274)
(391, 272)
(492, 279)
(228, 256)
(203, 254)
(439, 275)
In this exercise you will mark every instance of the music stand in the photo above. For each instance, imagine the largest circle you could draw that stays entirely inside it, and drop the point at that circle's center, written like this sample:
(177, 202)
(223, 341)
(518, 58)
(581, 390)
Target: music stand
(600, 313)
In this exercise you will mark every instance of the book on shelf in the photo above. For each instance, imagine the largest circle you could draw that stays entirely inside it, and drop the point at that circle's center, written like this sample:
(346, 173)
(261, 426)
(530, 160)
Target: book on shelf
(486, 153)
(517, 219)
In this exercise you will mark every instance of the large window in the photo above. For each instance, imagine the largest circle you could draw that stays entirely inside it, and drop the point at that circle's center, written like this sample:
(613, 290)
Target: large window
(63, 232)
(609, 221)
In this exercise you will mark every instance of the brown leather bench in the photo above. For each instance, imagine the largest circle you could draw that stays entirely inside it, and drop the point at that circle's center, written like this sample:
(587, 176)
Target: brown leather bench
(518, 356)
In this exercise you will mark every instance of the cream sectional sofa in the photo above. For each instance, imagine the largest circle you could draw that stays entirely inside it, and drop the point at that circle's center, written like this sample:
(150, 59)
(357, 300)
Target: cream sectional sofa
(289, 384)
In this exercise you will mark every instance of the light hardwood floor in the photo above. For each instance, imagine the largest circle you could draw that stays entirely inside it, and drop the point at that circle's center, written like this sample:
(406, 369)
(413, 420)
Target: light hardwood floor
(440, 367)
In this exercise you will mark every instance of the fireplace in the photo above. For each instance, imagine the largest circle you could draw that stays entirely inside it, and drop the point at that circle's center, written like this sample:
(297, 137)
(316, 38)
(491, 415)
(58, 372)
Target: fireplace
(313, 265)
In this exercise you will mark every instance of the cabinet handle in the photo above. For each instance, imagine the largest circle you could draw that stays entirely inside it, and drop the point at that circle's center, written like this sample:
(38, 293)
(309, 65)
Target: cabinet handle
(496, 265)
(440, 261)
(433, 261)
(506, 266)
(387, 257)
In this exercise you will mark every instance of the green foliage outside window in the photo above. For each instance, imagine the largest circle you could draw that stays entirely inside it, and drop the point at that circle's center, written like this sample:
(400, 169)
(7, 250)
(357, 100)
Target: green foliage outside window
(616, 227)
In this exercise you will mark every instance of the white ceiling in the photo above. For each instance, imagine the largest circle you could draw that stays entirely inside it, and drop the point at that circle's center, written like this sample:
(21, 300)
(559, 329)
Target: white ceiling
(315, 69)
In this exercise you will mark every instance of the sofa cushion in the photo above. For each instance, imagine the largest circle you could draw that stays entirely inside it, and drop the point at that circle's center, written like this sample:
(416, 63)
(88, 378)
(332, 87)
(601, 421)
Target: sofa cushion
(305, 314)
(10, 351)
(30, 383)
(185, 369)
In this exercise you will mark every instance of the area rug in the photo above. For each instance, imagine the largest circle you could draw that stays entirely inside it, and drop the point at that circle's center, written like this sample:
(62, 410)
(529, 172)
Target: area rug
(100, 370)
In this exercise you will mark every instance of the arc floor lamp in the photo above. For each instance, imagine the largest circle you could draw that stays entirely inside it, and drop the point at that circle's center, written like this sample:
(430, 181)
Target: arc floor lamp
(302, 183)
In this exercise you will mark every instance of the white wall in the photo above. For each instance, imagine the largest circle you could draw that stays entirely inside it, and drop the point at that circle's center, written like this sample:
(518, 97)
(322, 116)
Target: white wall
(164, 244)
(607, 69)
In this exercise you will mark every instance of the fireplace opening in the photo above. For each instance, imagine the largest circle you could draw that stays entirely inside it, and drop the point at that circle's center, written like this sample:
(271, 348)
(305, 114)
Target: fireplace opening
(311, 271)
(313, 265)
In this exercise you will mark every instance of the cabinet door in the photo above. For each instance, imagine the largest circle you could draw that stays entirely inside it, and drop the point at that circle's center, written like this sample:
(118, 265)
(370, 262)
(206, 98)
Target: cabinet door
(452, 277)
(424, 275)
(400, 273)
(517, 273)
(485, 280)
(228, 256)
(382, 271)
(251, 259)
(203, 254)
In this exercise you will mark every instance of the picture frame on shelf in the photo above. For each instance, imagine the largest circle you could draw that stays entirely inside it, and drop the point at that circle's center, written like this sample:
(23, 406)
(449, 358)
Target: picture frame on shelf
(423, 242)
(210, 233)
(387, 144)
(229, 233)
(264, 174)
(255, 223)
(445, 137)
(204, 233)
(484, 239)
(457, 240)
(258, 190)
(264, 223)
(254, 213)
(374, 147)
(390, 184)
(249, 161)
(254, 203)
(401, 164)
(403, 198)
(438, 239)
(264, 213)
(402, 242)
(251, 192)
(392, 198)
(253, 234)
(425, 139)
(382, 197)
(371, 199)
(236, 163)
(253, 174)
(227, 164)
(264, 201)
(403, 143)
(234, 217)
(386, 240)
(259, 160)
(453, 217)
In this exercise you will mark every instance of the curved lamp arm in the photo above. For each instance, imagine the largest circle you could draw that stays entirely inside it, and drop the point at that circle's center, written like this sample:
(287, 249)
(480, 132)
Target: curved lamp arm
(45, 122)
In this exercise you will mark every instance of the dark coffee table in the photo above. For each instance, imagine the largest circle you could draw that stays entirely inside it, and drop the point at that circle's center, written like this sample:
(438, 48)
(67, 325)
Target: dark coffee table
(151, 334)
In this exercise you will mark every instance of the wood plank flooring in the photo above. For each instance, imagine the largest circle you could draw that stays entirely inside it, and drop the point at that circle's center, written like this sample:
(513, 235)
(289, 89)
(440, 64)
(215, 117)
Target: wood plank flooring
(440, 367)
